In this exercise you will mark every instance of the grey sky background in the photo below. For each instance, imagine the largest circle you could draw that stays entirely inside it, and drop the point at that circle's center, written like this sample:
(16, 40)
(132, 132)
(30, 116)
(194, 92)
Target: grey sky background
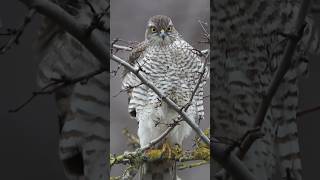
(29, 138)
(128, 22)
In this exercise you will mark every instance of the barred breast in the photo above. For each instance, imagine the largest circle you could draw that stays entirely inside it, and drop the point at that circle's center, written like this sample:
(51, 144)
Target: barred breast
(174, 69)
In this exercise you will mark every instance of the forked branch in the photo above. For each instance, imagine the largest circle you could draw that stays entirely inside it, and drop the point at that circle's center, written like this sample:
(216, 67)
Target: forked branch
(16, 33)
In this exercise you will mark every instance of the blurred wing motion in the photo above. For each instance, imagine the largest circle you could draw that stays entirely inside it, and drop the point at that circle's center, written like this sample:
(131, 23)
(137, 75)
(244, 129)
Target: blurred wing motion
(249, 40)
(82, 108)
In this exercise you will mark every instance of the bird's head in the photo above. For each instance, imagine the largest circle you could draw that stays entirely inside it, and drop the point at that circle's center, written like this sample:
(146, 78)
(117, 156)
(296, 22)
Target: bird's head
(160, 30)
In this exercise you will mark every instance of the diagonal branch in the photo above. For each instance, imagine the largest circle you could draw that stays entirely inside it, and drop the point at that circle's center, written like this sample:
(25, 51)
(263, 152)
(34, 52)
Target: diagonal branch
(158, 139)
(94, 42)
(198, 83)
(56, 85)
(220, 151)
(284, 66)
(136, 71)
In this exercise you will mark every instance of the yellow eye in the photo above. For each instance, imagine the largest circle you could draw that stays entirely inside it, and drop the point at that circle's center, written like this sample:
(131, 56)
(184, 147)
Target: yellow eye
(153, 29)
(169, 28)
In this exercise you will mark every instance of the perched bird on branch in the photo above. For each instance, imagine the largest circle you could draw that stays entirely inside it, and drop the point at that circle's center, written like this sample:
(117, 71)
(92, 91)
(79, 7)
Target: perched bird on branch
(174, 67)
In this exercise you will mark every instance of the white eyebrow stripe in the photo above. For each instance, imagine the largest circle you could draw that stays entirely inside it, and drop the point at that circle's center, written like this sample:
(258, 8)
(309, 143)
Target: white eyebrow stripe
(150, 24)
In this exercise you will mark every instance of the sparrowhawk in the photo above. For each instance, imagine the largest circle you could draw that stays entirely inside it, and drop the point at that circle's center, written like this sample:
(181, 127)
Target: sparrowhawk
(174, 67)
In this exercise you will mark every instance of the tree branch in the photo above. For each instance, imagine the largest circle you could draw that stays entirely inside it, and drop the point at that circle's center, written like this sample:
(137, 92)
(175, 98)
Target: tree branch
(281, 71)
(56, 85)
(126, 48)
(94, 41)
(228, 160)
(285, 64)
(307, 111)
(16, 33)
(137, 157)
(283, 67)
(198, 83)
(119, 47)
(136, 71)
(191, 165)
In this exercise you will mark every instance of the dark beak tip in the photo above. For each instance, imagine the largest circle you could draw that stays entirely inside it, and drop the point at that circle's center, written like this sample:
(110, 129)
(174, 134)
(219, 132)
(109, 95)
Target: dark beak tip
(162, 36)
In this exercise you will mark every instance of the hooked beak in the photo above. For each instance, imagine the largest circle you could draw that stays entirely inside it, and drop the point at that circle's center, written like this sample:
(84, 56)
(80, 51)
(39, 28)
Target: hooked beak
(162, 34)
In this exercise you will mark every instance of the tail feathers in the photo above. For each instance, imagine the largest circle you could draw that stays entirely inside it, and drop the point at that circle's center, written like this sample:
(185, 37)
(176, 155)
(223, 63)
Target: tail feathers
(288, 151)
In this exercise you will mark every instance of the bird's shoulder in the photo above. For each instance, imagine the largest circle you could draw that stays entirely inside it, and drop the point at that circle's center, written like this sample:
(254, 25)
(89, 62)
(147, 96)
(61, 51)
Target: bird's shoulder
(137, 51)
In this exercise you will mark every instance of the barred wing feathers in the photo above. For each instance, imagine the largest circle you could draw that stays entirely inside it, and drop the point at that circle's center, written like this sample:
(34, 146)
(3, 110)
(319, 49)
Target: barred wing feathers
(82, 108)
(249, 40)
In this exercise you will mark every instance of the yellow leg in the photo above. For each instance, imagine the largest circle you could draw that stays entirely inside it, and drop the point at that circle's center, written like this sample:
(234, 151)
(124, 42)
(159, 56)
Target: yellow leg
(166, 150)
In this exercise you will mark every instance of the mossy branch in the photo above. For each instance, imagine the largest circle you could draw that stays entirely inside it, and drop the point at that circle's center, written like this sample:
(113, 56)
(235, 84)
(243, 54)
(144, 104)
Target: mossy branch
(198, 156)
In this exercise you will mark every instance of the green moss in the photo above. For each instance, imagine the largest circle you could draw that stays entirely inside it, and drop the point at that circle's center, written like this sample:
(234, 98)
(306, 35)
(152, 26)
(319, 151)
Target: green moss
(202, 153)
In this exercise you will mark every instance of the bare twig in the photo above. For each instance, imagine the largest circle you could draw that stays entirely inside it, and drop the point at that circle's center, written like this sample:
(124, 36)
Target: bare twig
(206, 34)
(97, 22)
(130, 43)
(119, 47)
(133, 139)
(90, 6)
(126, 89)
(307, 111)
(198, 83)
(16, 33)
(115, 71)
(56, 85)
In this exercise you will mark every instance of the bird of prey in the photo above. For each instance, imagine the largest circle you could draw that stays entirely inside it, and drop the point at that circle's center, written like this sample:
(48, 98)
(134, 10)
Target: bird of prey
(174, 67)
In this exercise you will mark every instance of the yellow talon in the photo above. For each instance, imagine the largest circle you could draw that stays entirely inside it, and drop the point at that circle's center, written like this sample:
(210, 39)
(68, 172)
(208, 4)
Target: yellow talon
(166, 152)
(177, 151)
